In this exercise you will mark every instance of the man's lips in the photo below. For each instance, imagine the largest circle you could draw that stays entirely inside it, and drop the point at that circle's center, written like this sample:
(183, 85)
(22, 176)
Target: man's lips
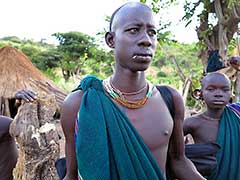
(218, 102)
(142, 57)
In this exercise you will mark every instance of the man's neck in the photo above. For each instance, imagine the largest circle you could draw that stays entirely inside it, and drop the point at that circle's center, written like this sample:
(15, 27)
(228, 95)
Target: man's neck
(214, 113)
(128, 82)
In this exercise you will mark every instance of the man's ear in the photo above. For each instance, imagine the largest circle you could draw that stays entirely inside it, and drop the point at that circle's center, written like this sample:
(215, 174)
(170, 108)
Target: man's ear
(197, 94)
(109, 39)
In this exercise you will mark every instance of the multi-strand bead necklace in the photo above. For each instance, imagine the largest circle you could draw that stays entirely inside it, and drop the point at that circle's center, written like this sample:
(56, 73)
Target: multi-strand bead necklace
(120, 97)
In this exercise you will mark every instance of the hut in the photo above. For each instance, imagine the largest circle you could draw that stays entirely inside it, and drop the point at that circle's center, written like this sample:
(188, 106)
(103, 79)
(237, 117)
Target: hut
(17, 72)
(34, 127)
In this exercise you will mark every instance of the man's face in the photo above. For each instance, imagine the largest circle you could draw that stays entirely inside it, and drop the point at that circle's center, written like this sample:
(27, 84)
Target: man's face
(216, 92)
(135, 38)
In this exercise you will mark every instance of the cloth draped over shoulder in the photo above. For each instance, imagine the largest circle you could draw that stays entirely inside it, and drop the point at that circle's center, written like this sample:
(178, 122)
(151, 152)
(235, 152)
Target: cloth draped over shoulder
(228, 157)
(107, 145)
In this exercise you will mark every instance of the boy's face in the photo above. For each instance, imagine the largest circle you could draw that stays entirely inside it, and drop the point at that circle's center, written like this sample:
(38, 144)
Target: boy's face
(135, 38)
(216, 91)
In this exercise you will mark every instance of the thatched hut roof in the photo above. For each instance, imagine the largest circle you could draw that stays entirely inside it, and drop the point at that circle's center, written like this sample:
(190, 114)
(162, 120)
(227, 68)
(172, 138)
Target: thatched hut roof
(17, 72)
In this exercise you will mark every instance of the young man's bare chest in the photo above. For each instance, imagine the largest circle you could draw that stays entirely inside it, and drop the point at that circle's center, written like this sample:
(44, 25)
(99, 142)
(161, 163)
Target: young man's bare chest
(203, 126)
(154, 123)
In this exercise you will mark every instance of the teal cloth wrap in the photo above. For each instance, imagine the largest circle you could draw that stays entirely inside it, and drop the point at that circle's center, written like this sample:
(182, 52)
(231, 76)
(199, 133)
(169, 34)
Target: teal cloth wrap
(107, 145)
(228, 157)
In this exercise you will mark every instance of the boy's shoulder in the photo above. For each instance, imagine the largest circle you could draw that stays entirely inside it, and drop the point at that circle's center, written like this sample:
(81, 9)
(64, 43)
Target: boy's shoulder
(194, 117)
(194, 121)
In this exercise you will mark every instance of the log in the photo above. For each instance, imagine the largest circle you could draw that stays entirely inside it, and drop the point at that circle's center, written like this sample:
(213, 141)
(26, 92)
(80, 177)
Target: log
(37, 138)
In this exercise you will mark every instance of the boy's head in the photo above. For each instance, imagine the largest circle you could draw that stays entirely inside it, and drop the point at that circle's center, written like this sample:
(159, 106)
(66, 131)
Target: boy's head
(216, 90)
(132, 36)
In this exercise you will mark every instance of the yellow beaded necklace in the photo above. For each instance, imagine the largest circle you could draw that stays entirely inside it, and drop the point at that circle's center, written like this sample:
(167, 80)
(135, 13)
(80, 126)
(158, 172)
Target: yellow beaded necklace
(119, 97)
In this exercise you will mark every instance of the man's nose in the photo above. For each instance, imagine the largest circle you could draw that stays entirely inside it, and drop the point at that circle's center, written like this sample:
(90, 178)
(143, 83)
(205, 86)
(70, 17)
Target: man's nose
(218, 93)
(145, 40)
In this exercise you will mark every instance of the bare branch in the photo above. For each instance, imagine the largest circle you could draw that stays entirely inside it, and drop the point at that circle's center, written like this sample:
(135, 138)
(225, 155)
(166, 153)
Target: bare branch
(187, 86)
(236, 12)
(179, 70)
(219, 12)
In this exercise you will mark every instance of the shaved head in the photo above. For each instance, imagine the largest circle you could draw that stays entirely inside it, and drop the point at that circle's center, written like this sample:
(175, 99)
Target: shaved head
(118, 13)
(213, 77)
(133, 33)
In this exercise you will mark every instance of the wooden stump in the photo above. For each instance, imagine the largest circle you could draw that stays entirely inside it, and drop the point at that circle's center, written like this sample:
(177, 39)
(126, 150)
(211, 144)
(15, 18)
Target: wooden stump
(38, 140)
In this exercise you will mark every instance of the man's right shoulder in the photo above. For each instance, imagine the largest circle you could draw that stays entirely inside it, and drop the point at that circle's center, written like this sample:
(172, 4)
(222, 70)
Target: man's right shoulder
(69, 110)
(73, 100)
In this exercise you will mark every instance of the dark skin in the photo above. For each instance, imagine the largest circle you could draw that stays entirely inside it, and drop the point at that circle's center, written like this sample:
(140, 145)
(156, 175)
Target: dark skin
(216, 92)
(26, 96)
(234, 61)
(133, 39)
(8, 148)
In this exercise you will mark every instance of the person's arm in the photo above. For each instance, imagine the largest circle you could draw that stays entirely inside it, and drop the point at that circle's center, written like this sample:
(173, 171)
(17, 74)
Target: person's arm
(69, 111)
(4, 126)
(187, 128)
(181, 166)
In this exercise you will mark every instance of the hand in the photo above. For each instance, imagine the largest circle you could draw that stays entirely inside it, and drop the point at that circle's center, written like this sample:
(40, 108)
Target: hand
(25, 95)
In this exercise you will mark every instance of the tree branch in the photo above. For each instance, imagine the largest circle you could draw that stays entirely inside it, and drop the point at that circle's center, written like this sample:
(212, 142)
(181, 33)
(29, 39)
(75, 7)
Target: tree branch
(179, 70)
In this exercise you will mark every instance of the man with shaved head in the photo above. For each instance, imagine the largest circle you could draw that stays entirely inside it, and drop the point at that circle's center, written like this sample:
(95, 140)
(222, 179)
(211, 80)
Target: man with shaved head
(120, 127)
(220, 124)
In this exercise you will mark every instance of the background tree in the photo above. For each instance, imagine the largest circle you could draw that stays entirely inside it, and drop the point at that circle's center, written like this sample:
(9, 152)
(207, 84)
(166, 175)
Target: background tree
(218, 23)
(47, 59)
(75, 48)
(219, 20)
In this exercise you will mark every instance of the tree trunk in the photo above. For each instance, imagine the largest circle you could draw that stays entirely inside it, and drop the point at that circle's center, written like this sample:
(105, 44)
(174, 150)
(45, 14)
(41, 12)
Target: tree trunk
(222, 33)
(228, 18)
(37, 137)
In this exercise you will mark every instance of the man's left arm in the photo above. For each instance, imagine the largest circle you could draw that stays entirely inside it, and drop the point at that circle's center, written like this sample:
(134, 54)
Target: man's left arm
(181, 166)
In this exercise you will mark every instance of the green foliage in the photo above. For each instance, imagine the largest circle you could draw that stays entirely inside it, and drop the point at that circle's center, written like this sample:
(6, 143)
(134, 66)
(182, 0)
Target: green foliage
(80, 54)
(47, 59)
(186, 56)
(101, 63)
(76, 48)
(29, 50)
(75, 42)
